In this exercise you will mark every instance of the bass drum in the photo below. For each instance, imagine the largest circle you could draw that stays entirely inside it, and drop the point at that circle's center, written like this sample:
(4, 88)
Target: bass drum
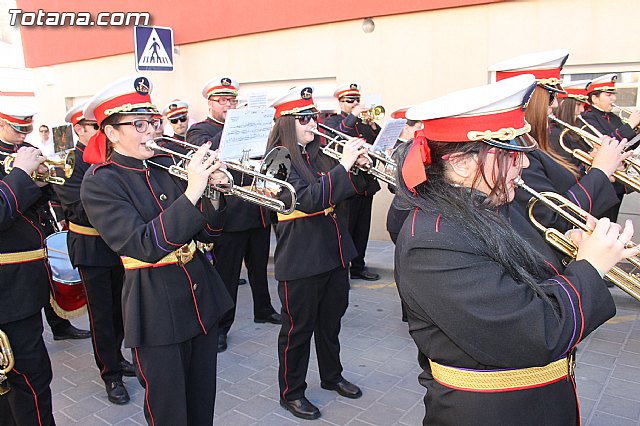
(67, 297)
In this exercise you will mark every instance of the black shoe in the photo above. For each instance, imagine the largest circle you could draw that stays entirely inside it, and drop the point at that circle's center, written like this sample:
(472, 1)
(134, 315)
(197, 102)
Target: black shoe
(222, 342)
(301, 408)
(72, 332)
(117, 393)
(344, 388)
(274, 318)
(242, 281)
(127, 368)
(365, 275)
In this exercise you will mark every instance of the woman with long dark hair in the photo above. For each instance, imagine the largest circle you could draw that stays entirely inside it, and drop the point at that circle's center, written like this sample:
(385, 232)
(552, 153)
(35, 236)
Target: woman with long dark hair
(172, 298)
(312, 253)
(494, 316)
(548, 170)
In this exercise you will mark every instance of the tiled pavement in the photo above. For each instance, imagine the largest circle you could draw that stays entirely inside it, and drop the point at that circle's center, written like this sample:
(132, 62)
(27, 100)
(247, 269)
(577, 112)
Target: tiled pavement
(378, 355)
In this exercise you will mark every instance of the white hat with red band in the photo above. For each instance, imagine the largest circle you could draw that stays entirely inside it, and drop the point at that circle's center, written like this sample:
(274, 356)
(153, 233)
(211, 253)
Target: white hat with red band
(221, 86)
(175, 109)
(297, 101)
(129, 95)
(606, 83)
(576, 90)
(347, 90)
(18, 116)
(493, 113)
(545, 66)
(75, 114)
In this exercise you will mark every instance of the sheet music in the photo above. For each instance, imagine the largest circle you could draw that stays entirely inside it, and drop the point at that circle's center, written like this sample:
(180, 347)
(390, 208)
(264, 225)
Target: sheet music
(245, 129)
(389, 134)
(257, 100)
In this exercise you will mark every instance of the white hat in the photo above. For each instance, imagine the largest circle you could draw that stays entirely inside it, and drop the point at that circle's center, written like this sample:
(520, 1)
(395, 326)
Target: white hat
(297, 101)
(18, 116)
(75, 114)
(576, 90)
(175, 109)
(493, 113)
(606, 83)
(221, 86)
(400, 112)
(545, 66)
(129, 95)
(348, 90)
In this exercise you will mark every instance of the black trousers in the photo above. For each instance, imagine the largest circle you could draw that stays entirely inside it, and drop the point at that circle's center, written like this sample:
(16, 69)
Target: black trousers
(103, 288)
(311, 306)
(230, 250)
(56, 323)
(29, 401)
(359, 227)
(180, 380)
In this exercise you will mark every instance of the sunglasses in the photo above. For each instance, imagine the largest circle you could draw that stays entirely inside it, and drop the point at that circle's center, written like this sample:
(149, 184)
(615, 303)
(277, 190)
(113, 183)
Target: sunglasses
(141, 125)
(306, 119)
(351, 100)
(175, 120)
(94, 125)
(552, 96)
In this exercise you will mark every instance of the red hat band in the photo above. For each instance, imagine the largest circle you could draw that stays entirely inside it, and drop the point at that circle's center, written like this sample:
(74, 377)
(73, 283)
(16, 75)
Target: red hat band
(77, 117)
(16, 121)
(293, 107)
(225, 90)
(606, 86)
(504, 126)
(348, 92)
(124, 103)
(544, 76)
(177, 111)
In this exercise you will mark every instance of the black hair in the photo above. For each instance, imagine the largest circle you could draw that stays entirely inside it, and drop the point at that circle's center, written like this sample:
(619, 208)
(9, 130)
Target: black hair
(473, 211)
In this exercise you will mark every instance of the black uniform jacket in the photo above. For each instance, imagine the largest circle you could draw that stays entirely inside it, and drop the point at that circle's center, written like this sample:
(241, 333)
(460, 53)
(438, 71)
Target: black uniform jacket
(241, 215)
(25, 222)
(608, 124)
(313, 245)
(85, 250)
(141, 212)
(466, 311)
(570, 140)
(593, 192)
(353, 126)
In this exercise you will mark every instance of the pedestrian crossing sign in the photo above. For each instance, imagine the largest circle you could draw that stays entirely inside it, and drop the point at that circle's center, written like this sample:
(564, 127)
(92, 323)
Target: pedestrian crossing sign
(154, 48)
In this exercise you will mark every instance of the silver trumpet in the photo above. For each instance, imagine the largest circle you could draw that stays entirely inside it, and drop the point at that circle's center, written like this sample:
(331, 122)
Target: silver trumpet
(384, 169)
(268, 177)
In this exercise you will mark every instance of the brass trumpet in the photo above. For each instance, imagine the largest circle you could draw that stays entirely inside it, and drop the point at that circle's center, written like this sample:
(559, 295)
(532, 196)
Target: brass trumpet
(630, 175)
(7, 361)
(59, 167)
(627, 111)
(384, 169)
(629, 282)
(268, 177)
(372, 114)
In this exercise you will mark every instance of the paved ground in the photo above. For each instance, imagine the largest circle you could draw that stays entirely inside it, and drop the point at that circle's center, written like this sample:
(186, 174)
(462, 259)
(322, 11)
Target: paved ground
(378, 355)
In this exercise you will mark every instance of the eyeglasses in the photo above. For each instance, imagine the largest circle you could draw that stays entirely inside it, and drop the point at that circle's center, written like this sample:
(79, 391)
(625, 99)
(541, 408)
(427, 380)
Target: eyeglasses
(225, 101)
(306, 119)
(351, 100)
(94, 125)
(175, 120)
(141, 125)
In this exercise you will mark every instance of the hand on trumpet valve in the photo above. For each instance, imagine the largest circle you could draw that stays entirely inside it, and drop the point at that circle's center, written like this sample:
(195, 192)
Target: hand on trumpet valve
(30, 160)
(606, 245)
(609, 155)
(353, 149)
(634, 118)
(201, 166)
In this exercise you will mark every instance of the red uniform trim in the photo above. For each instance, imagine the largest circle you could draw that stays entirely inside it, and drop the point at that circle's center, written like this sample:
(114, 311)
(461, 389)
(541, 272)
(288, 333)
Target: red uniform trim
(538, 73)
(455, 129)
(35, 397)
(146, 382)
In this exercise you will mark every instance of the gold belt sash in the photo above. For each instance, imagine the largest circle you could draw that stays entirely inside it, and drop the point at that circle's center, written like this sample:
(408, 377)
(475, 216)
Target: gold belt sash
(22, 256)
(500, 380)
(182, 256)
(297, 214)
(83, 230)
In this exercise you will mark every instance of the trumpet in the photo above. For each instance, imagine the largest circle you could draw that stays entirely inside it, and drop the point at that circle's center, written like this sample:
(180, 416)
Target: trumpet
(268, 177)
(629, 282)
(59, 168)
(630, 175)
(372, 114)
(7, 361)
(384, 169)
(627, 111)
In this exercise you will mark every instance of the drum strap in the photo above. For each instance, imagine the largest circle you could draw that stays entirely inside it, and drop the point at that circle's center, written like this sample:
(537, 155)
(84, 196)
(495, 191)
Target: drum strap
(22, 256)
(182, 256)
(500, 380)
(83, 230)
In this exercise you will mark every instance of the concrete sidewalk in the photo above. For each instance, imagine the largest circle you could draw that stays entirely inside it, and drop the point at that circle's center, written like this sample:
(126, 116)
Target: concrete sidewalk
(378, 355)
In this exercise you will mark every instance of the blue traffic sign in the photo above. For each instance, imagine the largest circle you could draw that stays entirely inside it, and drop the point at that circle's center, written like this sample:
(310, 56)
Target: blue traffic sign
(154, 48)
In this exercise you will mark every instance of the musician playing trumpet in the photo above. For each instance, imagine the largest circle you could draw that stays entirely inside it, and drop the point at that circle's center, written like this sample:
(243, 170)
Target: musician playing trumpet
(172, 297)
(25, 281)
